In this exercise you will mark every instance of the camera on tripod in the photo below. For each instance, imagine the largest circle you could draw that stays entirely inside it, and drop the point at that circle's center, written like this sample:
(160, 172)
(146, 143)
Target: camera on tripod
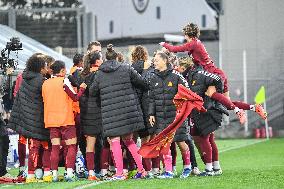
(13, 45)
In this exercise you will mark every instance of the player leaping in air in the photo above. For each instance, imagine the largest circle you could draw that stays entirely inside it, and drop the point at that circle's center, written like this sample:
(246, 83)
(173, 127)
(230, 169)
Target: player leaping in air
(196, 49)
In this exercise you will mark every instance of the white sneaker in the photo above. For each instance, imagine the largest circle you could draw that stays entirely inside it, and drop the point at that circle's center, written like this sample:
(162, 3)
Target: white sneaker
(195, 171)
(166, 175)
(218, 172)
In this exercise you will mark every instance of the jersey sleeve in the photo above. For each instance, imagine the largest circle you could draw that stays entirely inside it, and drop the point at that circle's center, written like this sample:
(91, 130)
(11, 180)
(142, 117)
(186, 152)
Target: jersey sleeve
(213, 80)
(179, 48)
(67, 86)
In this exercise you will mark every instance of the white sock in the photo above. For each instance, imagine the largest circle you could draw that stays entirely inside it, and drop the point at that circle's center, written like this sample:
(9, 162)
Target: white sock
(46, 173)
(125, 171)
(54, 173)
(252, 107)
(30, 176)
(236, 110)
(103, 172)
(69, 171)
(187, 166)
(91, 172)
(209, 166)
(216, 165)
(156, 170)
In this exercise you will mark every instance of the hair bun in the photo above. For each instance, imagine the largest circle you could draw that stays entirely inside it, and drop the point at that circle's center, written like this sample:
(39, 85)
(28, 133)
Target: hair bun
(110, 48)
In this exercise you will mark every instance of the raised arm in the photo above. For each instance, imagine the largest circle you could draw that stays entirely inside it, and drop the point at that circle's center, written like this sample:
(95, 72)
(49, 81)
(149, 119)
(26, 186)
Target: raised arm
(179, 48)
(138, 80)
(70, 91)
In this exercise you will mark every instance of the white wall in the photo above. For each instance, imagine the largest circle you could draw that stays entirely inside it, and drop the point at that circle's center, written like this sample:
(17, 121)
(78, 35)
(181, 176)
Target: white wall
(255, 26)
(129, 23)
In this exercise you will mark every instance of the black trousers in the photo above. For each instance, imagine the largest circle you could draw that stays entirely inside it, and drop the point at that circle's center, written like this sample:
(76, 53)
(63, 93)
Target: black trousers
(4, 147)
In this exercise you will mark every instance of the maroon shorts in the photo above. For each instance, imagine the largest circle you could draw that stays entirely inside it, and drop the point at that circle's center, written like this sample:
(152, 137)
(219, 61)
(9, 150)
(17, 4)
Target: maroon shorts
(63, 132)
(223, 76)
(194, 131)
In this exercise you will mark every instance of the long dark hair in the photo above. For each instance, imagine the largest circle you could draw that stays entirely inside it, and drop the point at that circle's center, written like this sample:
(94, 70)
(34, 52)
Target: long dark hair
(36, 62)
(90, 59)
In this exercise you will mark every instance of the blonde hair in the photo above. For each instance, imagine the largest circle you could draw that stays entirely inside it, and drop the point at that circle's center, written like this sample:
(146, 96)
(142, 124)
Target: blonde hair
(185, 61)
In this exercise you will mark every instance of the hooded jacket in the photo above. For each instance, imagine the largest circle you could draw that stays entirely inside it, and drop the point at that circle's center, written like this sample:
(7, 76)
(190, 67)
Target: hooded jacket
(115, 84)
(27, 113)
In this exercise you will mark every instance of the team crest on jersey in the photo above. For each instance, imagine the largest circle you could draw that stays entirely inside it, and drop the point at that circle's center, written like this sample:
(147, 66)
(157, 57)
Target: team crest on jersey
(193, 82)
(170, 84)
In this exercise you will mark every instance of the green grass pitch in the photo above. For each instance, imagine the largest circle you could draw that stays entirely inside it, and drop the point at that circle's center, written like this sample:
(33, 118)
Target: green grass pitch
(245, 163)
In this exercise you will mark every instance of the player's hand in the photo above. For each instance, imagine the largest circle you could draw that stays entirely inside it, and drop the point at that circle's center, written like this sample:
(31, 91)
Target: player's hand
(165, 50)
(83, 85)
(152, 120)
(10, 71)
(162, 43)
(146, 65)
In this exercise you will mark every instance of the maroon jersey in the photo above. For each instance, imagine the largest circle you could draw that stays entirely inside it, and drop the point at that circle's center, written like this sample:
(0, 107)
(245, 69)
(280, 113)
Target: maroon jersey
(196, 49)
(200, 56)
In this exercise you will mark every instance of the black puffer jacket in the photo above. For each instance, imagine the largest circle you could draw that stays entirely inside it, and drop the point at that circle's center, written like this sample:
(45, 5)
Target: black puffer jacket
(199, 81)
(143, 96)
(163, 88)
(121, 112)
(3, 131)
(27, 113)
(90, 110)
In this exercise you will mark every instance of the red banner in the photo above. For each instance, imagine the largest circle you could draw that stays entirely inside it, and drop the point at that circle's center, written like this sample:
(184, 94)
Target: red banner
(185, 101)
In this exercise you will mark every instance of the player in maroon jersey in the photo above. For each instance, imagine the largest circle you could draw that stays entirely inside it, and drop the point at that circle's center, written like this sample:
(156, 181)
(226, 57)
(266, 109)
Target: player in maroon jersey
(196, 49)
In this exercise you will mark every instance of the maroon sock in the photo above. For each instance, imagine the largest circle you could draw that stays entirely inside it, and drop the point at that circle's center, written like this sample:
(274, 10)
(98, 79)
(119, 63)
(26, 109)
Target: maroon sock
(22, 153)
(174, 153)
(90, 158)
(40, 155)
(54, 158)
(65, 151)
(46, 159)
(105, 158)
(156, 162)
(242, 105)
(71, 156)
(132, 164)
(206, 149)
(197, 142)
(126, 160)
(223, 100)
(215, 156)
(147, 164)
(33, 158)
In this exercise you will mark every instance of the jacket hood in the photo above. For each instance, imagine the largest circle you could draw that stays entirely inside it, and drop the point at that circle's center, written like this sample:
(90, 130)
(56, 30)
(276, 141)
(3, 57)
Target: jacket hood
(109, 66)
(29, 75)
(138, 66)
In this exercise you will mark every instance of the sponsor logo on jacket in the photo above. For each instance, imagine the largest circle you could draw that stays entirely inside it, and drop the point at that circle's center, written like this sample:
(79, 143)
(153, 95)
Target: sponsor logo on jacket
(216, 77)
